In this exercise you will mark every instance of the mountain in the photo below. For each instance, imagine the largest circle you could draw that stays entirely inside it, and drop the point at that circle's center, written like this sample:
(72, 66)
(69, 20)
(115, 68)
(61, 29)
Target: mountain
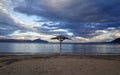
(23, 41)
(39, 40)
(116, 40)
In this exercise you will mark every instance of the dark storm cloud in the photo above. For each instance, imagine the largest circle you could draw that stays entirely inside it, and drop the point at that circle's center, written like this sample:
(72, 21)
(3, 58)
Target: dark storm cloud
(85, 29)
(81, 17)
(75, 11)
(79, 29)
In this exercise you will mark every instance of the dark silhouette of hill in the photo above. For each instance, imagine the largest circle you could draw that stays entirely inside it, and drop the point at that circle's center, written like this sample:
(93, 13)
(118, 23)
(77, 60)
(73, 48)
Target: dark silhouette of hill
(39, 40)
(23, 41)
(116, 40)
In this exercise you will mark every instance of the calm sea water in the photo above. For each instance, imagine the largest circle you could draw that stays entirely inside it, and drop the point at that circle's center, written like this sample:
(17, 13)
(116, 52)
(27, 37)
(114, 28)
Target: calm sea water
(37, 48)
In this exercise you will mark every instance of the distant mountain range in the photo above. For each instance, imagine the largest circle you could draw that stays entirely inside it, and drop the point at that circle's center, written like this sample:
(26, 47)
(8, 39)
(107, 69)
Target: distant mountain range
(116, 41)
(23, 41)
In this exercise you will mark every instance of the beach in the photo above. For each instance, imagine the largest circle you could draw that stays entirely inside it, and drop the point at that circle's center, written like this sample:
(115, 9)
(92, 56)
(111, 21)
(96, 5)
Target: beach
(59, 64)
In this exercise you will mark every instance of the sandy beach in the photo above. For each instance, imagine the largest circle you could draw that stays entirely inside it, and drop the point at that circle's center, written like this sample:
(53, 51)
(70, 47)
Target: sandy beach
(59, 65)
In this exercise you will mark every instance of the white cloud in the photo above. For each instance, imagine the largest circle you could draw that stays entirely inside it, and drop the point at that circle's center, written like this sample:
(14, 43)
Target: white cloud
(2, 37)
(60, 30)
(81, 39)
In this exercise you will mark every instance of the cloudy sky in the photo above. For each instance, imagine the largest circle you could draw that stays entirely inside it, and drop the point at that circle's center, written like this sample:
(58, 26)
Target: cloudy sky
(81, 20)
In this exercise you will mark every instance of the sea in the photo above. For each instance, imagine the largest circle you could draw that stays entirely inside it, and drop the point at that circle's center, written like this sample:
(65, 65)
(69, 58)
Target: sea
(50, 48)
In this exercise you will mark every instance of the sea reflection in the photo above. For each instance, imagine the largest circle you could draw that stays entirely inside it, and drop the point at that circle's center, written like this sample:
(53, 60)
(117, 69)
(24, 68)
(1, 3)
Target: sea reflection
(32, 48)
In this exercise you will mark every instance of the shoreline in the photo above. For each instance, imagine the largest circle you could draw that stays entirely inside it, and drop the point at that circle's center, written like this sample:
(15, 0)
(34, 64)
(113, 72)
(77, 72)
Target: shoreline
(67, 53)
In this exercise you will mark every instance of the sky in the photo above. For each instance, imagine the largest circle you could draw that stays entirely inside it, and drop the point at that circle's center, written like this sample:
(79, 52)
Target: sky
(81, 20)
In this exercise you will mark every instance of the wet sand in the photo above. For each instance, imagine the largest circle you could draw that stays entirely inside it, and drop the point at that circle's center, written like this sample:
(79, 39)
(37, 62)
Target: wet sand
(59, 65)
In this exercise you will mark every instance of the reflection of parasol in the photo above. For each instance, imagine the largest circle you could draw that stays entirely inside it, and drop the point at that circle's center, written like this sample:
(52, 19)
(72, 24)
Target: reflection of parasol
(61, 38)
